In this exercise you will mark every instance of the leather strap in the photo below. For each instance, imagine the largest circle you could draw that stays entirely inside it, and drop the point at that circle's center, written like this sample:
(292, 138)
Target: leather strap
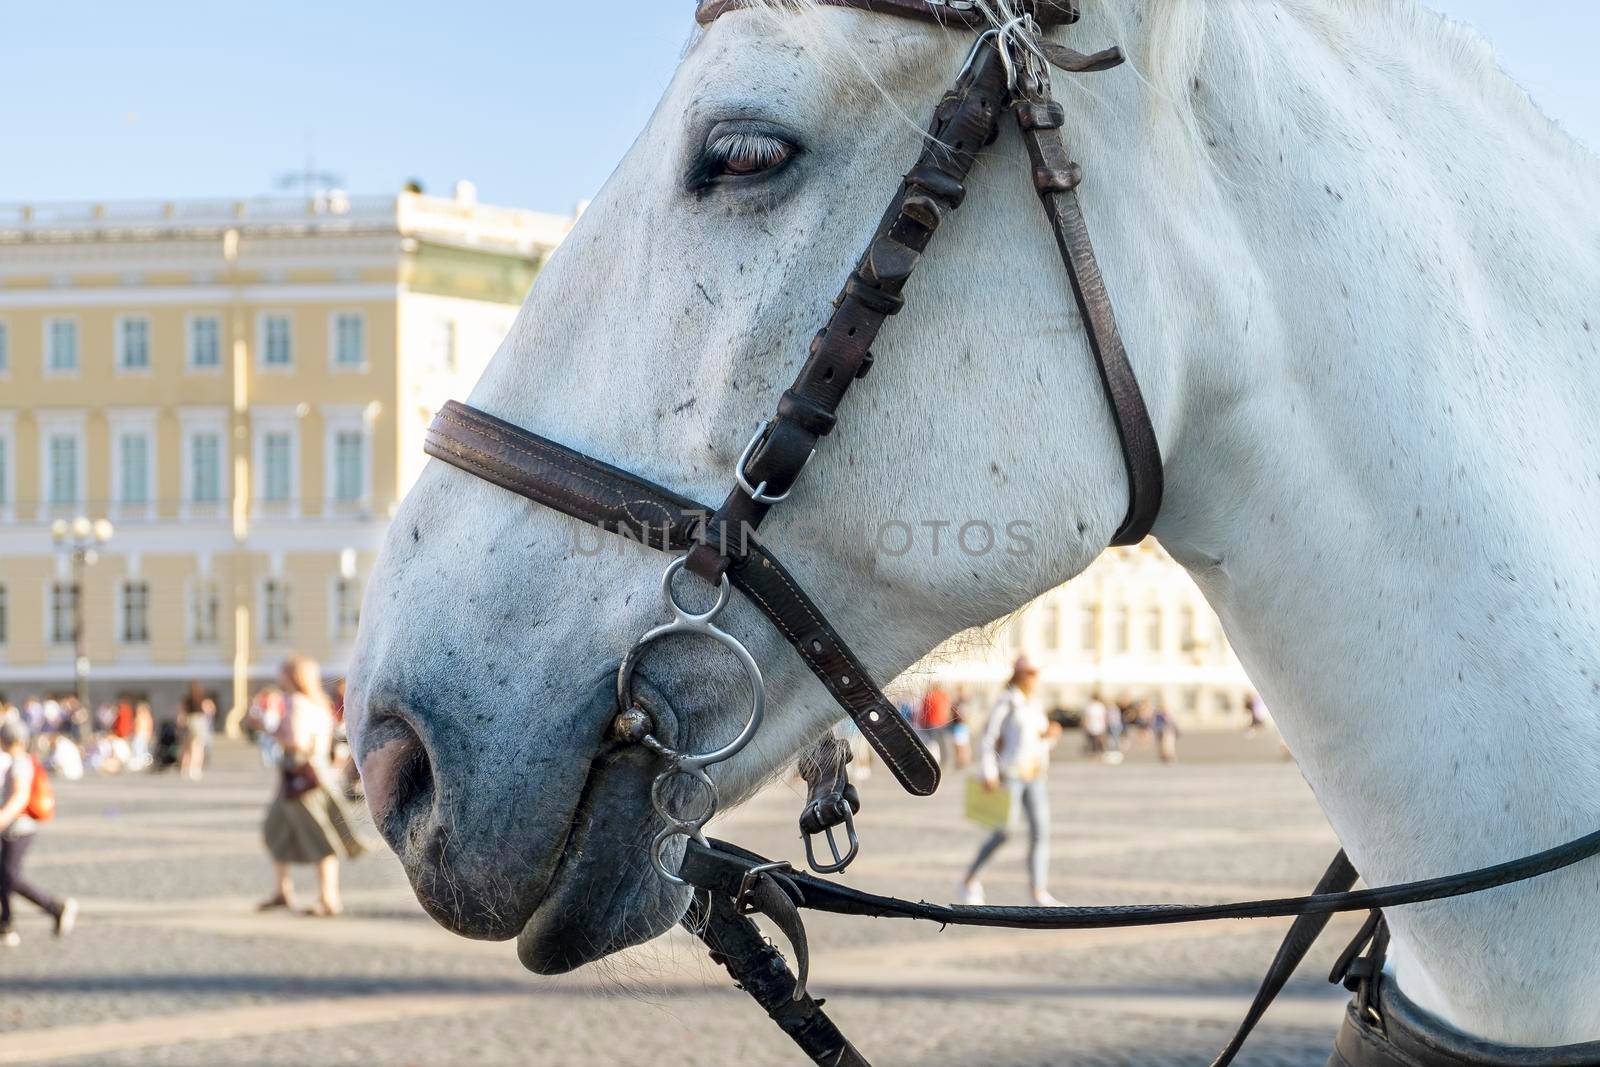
(962, 13)
(1302, 935)
(966, 120)
(758, 968)
(719, 867)
(1056, 178)
(1408, 1037)
(622, 503)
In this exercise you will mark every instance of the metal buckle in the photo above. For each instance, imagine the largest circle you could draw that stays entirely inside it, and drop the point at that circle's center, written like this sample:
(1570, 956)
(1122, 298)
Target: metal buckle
(758, 493)
(748, 883)
(840, 862)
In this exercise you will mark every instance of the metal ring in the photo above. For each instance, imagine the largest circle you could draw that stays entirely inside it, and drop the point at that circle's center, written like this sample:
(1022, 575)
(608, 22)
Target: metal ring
(698, 624)
(664, 808)
(660, 842)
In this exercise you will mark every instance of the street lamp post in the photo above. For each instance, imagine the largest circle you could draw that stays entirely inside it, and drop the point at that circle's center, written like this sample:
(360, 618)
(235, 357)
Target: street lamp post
(83, 538)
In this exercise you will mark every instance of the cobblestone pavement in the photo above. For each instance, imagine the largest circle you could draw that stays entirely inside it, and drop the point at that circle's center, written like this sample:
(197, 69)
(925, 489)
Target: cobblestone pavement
(172, 966)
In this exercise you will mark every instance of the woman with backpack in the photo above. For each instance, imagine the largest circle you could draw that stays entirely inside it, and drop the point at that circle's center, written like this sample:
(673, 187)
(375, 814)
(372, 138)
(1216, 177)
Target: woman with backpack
(25, 802)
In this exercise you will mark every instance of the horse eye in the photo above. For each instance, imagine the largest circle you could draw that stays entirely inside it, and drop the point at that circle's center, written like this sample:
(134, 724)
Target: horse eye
(740, 154)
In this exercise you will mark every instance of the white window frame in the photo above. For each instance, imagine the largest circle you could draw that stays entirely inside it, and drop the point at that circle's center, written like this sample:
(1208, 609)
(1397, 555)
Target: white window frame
(263, 612)
(50, 612)
(191, 594)
(338, 420)
(189, 351)
(122, 612)
(121, 344)
(262, 318)
(5, 349)
(207, 420)
(48, 348)
(335, 635)
(8, 466)
(333, 341)
(62, 423)
(263, 421)
(123, 422)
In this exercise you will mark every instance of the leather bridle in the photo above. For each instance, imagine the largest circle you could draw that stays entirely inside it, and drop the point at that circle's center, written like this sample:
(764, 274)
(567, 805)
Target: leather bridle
(1007, 71)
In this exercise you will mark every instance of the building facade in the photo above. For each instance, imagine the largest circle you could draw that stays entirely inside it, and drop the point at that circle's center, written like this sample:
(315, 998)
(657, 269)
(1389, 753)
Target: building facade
(1133, 626)
(241, 388)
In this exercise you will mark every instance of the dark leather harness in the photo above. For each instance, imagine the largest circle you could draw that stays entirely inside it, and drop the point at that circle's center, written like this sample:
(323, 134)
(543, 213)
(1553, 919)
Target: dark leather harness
(1007, 72)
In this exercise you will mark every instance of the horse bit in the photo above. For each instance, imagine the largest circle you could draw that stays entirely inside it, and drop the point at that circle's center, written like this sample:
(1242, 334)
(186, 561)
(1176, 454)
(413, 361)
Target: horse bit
(1007, 69)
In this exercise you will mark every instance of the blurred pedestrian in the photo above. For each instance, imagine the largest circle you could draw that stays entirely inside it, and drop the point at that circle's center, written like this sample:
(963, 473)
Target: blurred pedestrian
(1258, 716)
(1015, 755)
(195, 715)
(1166, 731)
(960, 730)
(1095, 721)
(143, 742)
(307, 822)
(933, 720)
(24, 804)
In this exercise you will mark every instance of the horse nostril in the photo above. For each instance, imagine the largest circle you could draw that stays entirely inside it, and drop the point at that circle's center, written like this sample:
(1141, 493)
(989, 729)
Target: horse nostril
(397, 776)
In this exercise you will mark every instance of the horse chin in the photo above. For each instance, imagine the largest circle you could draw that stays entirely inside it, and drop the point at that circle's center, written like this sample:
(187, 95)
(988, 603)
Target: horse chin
(605, 896)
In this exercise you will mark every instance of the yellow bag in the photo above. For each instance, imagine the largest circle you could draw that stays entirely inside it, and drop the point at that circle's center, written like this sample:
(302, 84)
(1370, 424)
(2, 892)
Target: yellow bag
(992, 811)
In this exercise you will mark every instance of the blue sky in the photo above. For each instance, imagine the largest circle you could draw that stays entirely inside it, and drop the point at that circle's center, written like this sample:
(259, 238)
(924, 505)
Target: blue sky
(535, 100)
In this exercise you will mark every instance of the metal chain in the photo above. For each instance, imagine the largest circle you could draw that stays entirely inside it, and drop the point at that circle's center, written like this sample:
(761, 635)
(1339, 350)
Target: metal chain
(679, 823)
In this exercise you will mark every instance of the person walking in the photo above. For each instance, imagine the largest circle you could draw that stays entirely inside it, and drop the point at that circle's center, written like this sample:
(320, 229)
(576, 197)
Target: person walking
(19, 822)
(1166, 731)
(1096, 716)
(195, 715)
(1014, 753)
(307, 822)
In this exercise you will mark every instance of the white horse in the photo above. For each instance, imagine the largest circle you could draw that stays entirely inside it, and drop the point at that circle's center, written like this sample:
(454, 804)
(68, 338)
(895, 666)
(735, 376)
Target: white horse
(1357, 274)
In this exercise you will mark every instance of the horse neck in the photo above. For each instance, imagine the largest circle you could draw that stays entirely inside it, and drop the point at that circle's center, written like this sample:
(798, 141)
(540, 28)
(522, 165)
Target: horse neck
(1381, 476)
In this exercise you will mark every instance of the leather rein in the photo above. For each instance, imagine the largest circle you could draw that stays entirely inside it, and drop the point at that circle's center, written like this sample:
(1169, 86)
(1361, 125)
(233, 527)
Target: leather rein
(1007, 71)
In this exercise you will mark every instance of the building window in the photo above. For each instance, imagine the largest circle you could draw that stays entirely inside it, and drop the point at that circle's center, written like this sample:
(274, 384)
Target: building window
(349, 340)
(133, 344)
(5, 474)
(205, 342)
(275, 611)
(1188, 625)
(135, 613)
(1088, 628)
(1152, 629)
(346, 609)
(204, 613)
(205, 467)
(61, 453)
(1052, 627)
(5, 616)
(61, 346)
(349, 466)
(64, 605)
(5, 350)
(277, 467)
(133, 458)
(1121, 624)
(277, 346)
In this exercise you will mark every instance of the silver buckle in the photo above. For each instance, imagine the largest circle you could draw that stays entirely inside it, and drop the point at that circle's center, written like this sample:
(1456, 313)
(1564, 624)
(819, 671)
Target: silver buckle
(758, 493)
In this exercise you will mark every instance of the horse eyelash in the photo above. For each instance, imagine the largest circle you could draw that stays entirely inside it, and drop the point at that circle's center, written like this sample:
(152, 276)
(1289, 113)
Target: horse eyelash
(768, 150)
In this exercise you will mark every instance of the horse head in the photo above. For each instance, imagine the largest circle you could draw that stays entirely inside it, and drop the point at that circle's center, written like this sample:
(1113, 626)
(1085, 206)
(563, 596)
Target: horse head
(976, 469)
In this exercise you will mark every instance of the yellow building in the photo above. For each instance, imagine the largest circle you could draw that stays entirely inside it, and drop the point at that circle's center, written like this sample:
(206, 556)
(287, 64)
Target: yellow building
(1133, 626)
(241, 387)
